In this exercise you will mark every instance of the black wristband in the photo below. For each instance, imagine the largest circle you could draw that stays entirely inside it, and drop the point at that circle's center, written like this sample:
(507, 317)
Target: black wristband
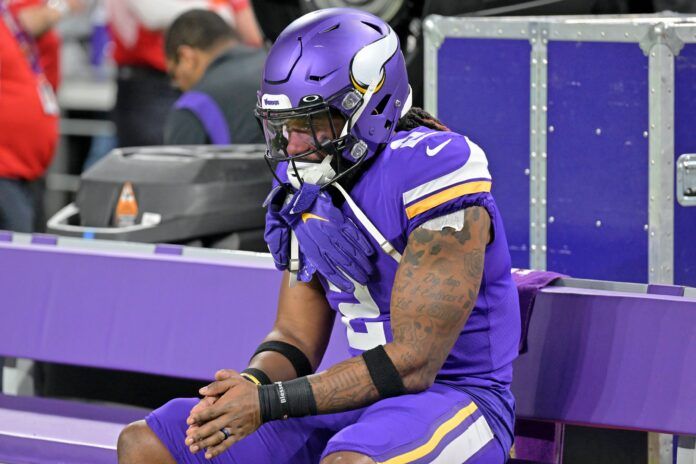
(269, 403)
(287, 399)
(256, 376)
(300, 397)
(384, 375)
(296, 357)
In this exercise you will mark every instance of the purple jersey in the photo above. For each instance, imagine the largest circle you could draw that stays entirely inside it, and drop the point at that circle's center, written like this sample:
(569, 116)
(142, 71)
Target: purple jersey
(421, 175)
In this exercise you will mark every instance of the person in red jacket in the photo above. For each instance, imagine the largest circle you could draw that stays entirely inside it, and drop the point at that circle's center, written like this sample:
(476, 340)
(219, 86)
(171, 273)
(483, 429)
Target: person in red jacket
(28, 122)
(37, 18)
(144, 91)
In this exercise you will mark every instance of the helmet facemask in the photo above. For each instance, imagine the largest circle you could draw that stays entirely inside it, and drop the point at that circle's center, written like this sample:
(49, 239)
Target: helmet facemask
(314, 138)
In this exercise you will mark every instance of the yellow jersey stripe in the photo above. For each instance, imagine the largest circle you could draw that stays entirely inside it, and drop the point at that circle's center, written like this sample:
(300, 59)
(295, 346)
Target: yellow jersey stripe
(445, 428)
(447, 195)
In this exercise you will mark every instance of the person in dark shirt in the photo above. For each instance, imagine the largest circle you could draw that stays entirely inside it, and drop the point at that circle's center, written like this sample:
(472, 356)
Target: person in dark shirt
(219, 77)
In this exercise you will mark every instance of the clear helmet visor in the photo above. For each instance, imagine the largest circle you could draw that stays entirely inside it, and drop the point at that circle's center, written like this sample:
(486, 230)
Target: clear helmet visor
(313, 138)
(292, 135)
(316, 127)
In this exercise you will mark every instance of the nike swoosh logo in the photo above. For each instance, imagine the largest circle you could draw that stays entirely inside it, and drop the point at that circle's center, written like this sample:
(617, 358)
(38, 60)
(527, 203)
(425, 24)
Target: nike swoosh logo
(434, 151)
(308, 216)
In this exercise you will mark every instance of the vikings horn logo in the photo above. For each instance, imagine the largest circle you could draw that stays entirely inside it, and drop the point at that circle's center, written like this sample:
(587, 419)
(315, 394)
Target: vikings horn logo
(368, 64)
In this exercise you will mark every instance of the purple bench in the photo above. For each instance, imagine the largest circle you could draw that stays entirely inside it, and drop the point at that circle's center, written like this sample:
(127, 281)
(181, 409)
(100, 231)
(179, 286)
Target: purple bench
(60, 431)
(596, 357)
(612, 358)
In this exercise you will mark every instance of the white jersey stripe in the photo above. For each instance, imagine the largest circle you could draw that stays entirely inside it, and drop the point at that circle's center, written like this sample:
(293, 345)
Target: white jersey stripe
(476, 167)
(467, 444)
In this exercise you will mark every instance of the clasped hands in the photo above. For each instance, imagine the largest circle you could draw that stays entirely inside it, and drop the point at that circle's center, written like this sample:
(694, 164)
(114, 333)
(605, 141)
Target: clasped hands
(230, 402)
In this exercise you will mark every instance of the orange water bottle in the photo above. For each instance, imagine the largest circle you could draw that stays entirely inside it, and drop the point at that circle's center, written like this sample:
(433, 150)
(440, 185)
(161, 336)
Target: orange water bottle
(127, 207)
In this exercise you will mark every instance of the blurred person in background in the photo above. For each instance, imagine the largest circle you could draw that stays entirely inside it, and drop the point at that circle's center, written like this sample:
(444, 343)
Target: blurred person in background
(144, 94)
(37, 18)
(219, 77)
(29, 75)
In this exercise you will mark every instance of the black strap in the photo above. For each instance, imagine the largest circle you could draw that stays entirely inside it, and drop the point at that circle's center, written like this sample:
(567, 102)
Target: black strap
(301, 401)
(257, 374)
(281, 400)
(269, 403)
(296, 357)
(383, 372)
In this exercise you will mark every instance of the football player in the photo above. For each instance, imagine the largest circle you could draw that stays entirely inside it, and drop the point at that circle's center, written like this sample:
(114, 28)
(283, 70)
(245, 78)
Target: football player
(383, 216)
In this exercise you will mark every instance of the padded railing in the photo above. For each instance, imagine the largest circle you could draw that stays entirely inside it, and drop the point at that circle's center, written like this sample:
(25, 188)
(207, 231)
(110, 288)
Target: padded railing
(597, 356)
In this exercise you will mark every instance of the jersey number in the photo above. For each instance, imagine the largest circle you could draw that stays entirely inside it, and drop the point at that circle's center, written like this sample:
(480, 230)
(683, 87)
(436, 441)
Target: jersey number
(365, 308)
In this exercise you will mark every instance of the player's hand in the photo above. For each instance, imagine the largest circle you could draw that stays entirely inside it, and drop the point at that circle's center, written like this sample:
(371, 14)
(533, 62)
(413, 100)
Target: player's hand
(329, 241)
(205, 402)
(223, 381)
(237, 410)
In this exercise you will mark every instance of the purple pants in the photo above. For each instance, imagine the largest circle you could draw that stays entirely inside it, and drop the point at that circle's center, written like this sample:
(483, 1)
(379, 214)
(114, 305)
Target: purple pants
(441, 425)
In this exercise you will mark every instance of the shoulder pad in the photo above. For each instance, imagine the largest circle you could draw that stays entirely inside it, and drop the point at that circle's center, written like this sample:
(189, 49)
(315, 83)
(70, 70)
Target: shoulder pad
(426, 168)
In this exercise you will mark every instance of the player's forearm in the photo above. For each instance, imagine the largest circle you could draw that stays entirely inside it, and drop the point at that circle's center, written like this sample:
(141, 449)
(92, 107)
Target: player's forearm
(348, 384)
(304, 323)
(345, 386)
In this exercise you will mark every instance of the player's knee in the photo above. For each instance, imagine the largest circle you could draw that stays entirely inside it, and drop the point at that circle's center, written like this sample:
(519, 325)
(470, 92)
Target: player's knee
(347, 457)
(137, 443)
(130, 440)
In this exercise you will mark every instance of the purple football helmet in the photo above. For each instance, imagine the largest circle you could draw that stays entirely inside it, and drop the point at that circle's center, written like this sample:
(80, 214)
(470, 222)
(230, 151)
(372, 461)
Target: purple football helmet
(338, 69)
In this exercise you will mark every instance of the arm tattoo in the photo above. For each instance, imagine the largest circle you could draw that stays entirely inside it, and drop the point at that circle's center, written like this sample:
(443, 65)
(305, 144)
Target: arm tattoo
(433, 296)
(435, 289)
(413, 257)
(347, 385)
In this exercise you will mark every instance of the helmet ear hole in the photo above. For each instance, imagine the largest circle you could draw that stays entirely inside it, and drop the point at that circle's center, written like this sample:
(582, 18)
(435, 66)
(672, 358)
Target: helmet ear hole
(379, 109)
